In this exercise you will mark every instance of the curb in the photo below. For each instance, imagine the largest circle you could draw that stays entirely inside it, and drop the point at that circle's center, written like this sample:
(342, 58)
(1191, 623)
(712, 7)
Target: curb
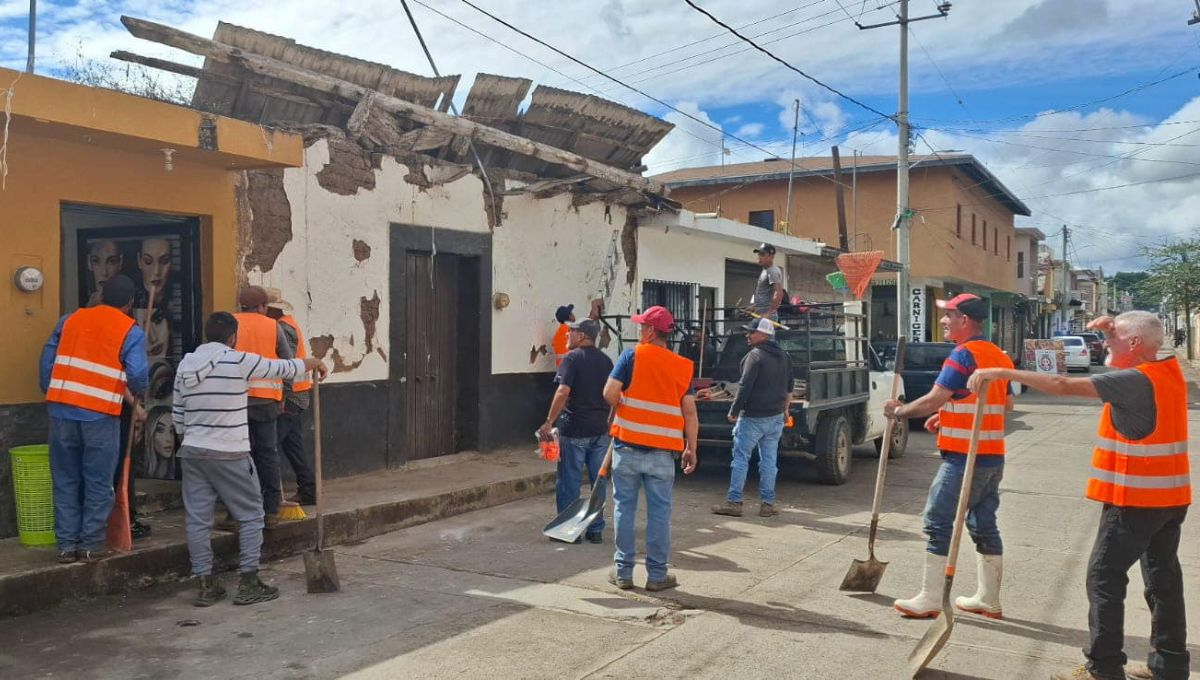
(32, 591)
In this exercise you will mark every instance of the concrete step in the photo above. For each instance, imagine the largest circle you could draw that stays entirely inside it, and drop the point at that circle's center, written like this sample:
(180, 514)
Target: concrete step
(358, 508)
(152, 496)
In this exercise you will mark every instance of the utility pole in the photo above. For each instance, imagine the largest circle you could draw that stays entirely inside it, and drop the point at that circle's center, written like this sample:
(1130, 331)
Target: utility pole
(902, 225)
(1066, 284)
(787, 212)
(32, 35)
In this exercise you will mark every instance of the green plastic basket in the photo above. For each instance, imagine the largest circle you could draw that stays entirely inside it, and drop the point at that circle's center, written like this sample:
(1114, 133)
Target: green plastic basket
(837, 280)
(35, 494)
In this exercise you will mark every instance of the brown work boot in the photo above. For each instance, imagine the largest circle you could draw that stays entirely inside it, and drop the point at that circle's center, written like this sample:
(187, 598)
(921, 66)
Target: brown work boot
(1139, 671)
(767, 510)
(728, 508)
(89, 556)
(271, 520)
(666, 584)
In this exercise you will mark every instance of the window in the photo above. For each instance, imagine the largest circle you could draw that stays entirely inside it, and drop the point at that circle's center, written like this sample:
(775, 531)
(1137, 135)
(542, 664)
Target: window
(973, 241)
(1020, 265)
(995, 239)
(763, 218)
(985, 235)
(958, 221)
(678, 297)
(1008, 245)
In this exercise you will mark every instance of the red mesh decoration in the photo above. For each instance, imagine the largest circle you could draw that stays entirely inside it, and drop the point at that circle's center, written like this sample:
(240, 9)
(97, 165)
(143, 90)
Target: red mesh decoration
(858, 268)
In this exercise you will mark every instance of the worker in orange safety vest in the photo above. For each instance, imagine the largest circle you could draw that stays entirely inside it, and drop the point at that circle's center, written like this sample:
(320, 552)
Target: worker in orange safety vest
(259, 334)
(95, 359)
(1140, 473)
(952, 407)
(296, 399)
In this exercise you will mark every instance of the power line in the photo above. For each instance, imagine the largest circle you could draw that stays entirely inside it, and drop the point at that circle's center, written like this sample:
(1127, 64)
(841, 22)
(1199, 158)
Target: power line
(770, 54)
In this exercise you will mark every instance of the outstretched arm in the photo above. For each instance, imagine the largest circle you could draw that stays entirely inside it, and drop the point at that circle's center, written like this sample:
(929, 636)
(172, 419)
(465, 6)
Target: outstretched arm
(1048, 383)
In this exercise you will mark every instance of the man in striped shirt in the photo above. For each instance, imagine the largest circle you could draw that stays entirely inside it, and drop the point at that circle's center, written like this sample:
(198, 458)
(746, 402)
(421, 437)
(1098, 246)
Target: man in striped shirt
(209, 411)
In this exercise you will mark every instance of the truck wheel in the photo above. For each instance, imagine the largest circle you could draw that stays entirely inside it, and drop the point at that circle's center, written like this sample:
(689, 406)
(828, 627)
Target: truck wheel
(899, 441)
(833, 449)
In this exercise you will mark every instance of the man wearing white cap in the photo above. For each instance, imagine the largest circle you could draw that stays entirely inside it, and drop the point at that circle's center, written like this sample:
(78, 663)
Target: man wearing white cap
(758, 413)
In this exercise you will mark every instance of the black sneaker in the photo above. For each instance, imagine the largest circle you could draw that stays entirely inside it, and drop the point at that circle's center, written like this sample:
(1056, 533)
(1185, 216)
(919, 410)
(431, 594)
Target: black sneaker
(251, 590)
(595, 537)
(211, 592)
(68, 556)
(139, 530)
(302, 499)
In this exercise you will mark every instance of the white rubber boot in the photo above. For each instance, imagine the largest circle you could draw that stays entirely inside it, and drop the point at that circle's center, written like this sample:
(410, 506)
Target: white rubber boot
(986, 600)
(928, 603)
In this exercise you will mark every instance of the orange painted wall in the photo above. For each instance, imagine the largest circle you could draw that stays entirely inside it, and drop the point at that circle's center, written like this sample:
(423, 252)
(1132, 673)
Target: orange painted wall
(43, 174)
(934, 192)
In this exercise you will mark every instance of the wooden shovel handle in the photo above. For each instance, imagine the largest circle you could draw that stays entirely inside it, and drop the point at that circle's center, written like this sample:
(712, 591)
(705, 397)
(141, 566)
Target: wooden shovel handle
(606, 466)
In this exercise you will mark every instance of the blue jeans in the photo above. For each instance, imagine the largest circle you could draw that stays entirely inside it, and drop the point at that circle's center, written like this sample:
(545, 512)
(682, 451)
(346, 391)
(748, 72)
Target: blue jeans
(573, 454)
(981, 509)
(634, 469)
(83, 460)
(748, 433)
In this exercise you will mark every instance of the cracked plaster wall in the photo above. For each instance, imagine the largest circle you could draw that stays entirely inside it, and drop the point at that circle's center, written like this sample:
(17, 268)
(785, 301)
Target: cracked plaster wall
(335, 268)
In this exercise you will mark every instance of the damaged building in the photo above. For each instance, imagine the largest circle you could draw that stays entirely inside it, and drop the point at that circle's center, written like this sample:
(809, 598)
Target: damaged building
(424, 253)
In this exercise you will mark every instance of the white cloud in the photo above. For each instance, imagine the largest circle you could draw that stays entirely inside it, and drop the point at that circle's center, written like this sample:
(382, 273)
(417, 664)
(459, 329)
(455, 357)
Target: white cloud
(750, 130)
(689, 144)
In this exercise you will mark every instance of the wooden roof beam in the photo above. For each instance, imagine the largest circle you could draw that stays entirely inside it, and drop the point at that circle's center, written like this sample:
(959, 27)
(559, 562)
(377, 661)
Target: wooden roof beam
(273, 68)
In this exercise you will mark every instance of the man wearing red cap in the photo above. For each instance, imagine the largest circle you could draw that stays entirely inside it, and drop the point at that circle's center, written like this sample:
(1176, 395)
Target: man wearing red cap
(952, 407)
(655, 418)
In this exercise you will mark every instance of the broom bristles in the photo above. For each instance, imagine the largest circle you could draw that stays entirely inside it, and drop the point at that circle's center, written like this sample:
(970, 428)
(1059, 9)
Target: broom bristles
(291, 512)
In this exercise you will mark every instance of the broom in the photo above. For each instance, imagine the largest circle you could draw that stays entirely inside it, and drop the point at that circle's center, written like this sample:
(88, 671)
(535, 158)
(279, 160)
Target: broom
(289, 511)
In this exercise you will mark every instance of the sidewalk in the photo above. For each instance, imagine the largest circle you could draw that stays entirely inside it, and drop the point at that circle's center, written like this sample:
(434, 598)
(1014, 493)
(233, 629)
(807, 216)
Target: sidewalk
(1191, 371)
(357, 508)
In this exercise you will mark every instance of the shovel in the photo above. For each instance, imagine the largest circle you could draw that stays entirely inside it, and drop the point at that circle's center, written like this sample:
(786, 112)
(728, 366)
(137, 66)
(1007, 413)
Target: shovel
(864, 576)
(573, 521)
(939, 633)
(320, 570)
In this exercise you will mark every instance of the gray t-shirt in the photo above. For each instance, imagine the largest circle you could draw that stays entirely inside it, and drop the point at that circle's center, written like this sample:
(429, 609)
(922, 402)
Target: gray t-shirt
(1131, 395)
(766, 288)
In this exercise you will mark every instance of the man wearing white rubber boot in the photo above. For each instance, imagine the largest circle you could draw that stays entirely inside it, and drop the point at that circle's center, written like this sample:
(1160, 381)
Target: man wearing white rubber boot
(953, 409)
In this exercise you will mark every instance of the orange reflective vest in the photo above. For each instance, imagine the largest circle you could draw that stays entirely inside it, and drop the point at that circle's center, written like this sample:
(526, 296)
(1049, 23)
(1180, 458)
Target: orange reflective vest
(649, 412)
(88, 372)
(559, 343)
(302, 383)
(1151, 472)
(257, 334)
(958, 415)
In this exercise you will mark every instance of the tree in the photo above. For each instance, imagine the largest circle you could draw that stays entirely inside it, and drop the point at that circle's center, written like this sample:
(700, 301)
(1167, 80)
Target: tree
(1131, 282)
(1174, 276)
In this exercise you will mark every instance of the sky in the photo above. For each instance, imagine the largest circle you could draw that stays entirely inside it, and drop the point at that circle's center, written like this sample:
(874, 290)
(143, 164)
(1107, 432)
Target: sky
(1088, 110)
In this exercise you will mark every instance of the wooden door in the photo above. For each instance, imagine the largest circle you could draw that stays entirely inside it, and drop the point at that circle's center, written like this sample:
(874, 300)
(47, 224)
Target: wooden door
(431, 369)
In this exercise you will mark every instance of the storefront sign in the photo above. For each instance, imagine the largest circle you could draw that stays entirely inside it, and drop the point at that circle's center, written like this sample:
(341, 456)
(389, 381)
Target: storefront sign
(916, 296)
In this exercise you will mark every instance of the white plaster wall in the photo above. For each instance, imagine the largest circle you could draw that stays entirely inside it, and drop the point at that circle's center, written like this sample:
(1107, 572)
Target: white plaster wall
(678, 254)
(545, 254)
(317, 270)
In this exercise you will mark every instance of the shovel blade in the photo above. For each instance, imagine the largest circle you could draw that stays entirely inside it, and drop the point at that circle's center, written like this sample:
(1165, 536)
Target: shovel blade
(572, 522)
(863, 576)
(935, 638)
(320, 572)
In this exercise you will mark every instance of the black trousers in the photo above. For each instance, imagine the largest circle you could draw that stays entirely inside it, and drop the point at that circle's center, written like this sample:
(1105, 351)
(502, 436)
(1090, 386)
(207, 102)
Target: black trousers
(264, 450)
(1127, 536)
(291, 444)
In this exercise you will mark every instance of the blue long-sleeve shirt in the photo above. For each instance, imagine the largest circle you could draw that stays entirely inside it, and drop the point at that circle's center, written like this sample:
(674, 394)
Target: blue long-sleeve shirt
(133, 360)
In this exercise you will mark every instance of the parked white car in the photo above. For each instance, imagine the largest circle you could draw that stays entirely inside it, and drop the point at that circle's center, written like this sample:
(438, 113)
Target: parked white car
(1076, 350)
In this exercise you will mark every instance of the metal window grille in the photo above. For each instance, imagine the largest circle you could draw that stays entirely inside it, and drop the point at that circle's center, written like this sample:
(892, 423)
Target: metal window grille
(679, 298)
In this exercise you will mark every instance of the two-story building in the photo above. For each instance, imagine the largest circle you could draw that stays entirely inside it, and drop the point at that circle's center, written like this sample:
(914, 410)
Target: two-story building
(963, 237)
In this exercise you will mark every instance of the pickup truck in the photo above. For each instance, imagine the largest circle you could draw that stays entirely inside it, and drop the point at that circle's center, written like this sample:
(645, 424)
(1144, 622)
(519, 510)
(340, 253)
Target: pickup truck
(840, 388)
(922, 364)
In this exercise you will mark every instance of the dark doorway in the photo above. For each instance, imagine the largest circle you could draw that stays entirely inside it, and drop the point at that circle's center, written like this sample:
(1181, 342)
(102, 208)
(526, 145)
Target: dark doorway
(741, 278)
(441, 408)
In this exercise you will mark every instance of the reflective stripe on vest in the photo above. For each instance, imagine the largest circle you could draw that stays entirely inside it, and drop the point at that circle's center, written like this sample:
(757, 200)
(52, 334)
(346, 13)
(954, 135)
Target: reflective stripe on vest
(958, 415)
(257, 334)
(559, 343)
(1152, 472)
(87, 371)
(649, 413)
(301, 383)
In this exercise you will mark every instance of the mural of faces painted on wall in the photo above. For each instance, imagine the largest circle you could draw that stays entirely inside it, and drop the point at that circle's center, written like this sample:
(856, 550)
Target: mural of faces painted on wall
(104, 261)
(154, 262)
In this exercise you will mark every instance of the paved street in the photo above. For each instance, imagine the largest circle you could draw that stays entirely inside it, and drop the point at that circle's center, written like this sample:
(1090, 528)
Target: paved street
(484, 595)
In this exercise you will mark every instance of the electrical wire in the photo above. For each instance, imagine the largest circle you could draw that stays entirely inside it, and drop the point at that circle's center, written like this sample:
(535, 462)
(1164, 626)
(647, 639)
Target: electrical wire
(784, 63)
